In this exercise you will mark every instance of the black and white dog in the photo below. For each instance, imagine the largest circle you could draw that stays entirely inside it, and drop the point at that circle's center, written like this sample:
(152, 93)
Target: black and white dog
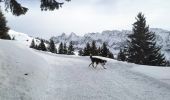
(97, 61)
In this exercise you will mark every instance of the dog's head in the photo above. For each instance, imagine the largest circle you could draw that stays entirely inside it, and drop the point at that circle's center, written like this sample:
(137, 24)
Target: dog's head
(90, 55)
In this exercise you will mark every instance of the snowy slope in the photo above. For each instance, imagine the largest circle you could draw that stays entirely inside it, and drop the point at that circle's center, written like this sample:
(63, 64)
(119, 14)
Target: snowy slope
(20, 37)
(23, 38)
(63, 77)
(160, 73)
(17, 60)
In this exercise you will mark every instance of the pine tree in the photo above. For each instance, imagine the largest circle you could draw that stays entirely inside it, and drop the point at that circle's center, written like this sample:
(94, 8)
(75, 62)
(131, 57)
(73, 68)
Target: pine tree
(104, 50)
(13, 38)
(32, 44)
(110, 55)
(87, 50)
(17, 9)
(99, 51)
(65, 49)
(52, 47)
(142, 47)
(70, 49)
(94, 51)
(61, 49)
(121, 55)
(42, 46)
(36, 47)
(3, 27)
(80, 52)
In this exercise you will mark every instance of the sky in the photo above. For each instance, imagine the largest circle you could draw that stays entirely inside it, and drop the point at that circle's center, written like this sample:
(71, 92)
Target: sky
(84, 16)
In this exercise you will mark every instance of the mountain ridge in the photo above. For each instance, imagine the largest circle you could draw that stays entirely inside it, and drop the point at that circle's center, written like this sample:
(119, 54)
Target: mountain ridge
(114, 39)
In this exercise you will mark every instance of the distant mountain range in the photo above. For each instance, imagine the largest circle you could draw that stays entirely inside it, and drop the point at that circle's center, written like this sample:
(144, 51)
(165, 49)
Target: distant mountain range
(115, 39)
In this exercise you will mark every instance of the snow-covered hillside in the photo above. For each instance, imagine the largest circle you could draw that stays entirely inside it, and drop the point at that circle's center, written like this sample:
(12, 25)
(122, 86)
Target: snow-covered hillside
(115, 39)
(23, 38)
(27, 74)
(20, 37)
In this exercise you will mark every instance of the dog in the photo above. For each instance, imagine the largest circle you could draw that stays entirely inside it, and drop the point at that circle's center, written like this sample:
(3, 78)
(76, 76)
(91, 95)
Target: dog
(97, 61)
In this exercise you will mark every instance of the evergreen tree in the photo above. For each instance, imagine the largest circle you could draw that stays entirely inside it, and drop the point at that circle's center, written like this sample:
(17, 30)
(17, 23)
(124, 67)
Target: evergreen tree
(168, 63)
(142, 47)
(36, 47)
(52, 47)
(32, 44)
(42, 46)
(61, 49)
(87, 50)
(65, 49)
(3, 27)
(80, 52)
(121, 55)
(17, 9)
(104, 50)
(13, 38)
(110, 55)
(71, 49)
(99, 51)
(94, 51)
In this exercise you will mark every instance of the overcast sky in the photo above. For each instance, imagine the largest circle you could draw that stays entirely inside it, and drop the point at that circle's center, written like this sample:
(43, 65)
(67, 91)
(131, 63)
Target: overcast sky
(83, 16)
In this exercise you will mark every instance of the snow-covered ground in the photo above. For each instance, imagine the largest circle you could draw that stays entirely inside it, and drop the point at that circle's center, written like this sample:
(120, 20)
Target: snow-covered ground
(20, 37)
(160, 73)
(27, 74)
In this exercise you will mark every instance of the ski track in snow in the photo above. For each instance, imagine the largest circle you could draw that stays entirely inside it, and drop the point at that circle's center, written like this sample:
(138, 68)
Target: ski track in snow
(61, 77)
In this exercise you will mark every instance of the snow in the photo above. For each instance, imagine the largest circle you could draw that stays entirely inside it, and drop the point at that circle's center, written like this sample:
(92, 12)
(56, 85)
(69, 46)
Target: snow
(21, 37)
(17, 60)
(160, 73)
(68, 77)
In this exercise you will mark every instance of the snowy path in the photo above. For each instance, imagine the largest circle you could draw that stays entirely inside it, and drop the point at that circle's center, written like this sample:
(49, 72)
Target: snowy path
(74, 80)
(59, 77)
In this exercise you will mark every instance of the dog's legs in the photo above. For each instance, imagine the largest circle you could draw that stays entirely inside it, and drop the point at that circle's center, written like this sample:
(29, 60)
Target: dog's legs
(103, 66)
(96, 65)
(92, 65)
